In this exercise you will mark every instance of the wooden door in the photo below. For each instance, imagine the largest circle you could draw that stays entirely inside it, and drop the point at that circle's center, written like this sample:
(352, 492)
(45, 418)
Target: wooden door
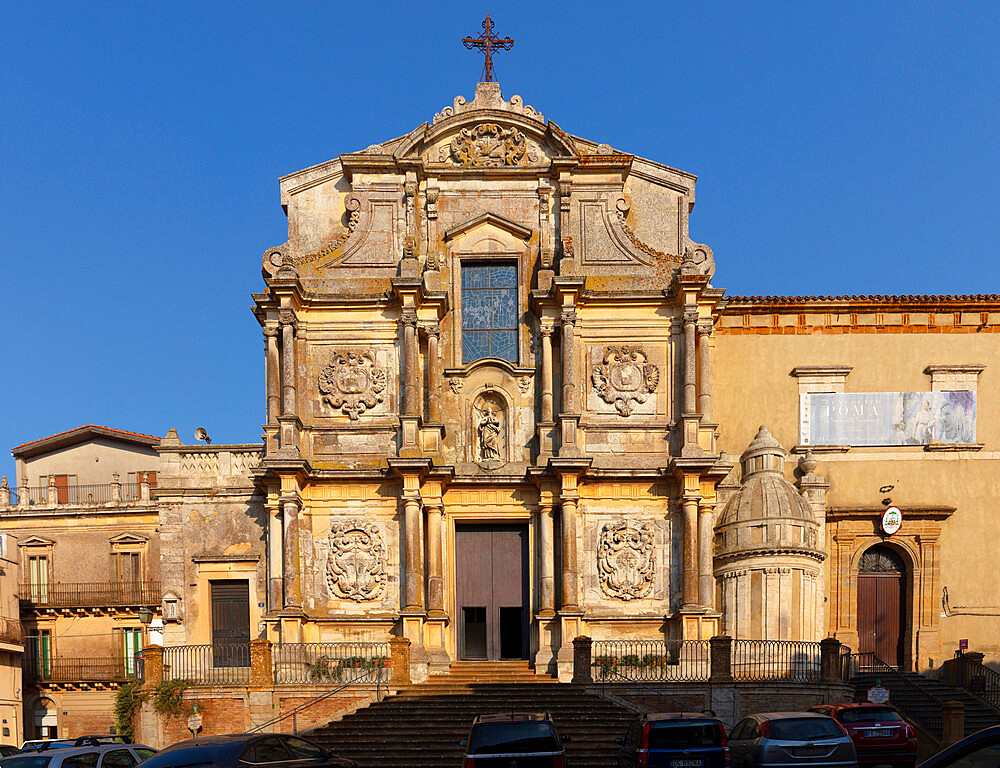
(491, 577)
(880, 605)
(230, 623)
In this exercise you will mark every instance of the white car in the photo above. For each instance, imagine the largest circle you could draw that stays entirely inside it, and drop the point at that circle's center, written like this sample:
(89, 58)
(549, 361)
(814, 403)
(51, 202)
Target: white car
(91, 756)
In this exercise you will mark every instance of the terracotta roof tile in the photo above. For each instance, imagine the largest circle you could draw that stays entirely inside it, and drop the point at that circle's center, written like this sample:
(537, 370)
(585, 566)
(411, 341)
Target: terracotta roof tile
(870, 298)
(85, 426)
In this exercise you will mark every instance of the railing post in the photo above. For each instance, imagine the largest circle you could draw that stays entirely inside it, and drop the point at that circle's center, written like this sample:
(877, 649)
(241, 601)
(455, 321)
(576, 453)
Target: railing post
(582, 652)
(721, 659)
(261, 668)
(152, 664)
(399, 652)
(829, 660)
(52, 495)
(4, 492)
(144, 487)
(23, 495)
(116, 487)
(952, 722)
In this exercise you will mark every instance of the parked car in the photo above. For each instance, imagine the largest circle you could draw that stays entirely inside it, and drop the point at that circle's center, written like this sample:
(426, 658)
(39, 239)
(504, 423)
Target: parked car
(47, 744)
(8, 749)
(880, 734)
(978, 750)
(90, 756)
(274, 750)
(524, 740)
(791, 738)
(674, 741)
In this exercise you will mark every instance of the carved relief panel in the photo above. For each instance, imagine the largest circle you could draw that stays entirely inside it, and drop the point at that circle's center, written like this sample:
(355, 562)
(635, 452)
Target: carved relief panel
(353, 382)
(625, 559)
(355, 568)
(624, 378)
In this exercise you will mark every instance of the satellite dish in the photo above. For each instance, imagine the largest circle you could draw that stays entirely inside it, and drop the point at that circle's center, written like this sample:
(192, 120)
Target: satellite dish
(201, 434)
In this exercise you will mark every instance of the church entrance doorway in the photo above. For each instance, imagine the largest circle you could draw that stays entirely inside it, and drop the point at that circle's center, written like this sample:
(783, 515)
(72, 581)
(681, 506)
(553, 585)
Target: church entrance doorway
(881, 610)
(491, 563)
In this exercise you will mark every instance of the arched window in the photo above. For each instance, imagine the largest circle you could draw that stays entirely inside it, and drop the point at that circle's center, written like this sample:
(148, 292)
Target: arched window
(880, 559)
(489, 311)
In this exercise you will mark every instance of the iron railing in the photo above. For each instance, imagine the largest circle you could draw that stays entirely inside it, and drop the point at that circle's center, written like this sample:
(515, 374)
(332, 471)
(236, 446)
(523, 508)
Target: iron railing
(657, 660)
(93, 594)
(95, 493)
(775, 660)
(330, 662)
(905, 695)
(11, 631)
(218, 664)
(979, 679)
(62, 669)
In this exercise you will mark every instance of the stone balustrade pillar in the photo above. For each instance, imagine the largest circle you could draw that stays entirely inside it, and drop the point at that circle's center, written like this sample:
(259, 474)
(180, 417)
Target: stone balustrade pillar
(4, 492)
(829, 660)
(399, 659)
(51, 493)
(116, 487)
(569, 555)
(261, 667)
(152, 665)
(290, 554)
(23, 494)
(690, 551)
(435, 560)
(583, 648)
(144, 487)
(414, 554)
(721, 659)
(952, 722)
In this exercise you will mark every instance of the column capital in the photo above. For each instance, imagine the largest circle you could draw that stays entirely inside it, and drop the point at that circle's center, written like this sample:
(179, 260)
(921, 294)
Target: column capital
(431, 330)
(568, 317)
(690, 314)
(705, 326)
(287, 317)
(408, 318)
(546, 329)
(270, 332)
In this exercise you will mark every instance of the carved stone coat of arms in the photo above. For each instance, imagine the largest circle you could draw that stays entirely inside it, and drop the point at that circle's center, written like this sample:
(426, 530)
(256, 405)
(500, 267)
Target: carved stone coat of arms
(356, 567)
(353, 382)
(490, 145)
(625, 378)
(625, 561)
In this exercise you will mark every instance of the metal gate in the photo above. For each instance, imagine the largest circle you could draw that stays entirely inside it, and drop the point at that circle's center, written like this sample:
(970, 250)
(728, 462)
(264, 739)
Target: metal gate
(881, 582)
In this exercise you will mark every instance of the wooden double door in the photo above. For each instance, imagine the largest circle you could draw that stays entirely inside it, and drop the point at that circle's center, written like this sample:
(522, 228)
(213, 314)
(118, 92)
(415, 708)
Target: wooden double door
(491, 563)
(881, 607)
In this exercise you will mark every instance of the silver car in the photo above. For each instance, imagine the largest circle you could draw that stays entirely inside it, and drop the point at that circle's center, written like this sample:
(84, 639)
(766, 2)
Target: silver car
(785, 739)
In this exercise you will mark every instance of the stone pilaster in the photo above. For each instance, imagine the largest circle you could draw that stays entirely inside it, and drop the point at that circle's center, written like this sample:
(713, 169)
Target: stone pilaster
(705, 369)
(290, 552)
(706, 579)
(546, 527)
(689, 511)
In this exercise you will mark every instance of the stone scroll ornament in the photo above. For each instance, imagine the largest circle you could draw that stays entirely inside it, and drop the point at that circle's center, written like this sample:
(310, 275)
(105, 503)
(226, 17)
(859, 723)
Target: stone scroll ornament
(353, 382)
(625, 378)
(356, 568)
(489, 145)
(625, 559)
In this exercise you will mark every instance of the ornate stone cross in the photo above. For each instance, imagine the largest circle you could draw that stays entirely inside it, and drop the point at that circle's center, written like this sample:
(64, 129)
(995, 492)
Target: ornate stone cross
(487, 43)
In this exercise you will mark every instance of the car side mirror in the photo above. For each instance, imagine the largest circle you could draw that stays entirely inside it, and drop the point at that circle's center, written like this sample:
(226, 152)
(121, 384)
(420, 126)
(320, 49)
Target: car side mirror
(620, 741)
(463, 742)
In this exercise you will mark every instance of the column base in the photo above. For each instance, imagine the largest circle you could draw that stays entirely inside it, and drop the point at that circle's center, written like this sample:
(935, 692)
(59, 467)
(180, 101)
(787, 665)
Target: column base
(438, 658)
(696, 623)
(570, 627)
(546, 662)
(413, 630)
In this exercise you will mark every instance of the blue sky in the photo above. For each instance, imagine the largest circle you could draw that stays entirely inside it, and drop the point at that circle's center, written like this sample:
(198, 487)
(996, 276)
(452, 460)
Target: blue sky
(840, 147)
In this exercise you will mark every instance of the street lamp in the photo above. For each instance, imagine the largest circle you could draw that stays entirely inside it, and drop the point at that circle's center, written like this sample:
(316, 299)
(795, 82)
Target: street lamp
(145, 615)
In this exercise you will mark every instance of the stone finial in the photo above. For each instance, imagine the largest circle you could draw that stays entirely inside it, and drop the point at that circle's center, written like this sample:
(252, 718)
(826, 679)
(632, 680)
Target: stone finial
(807, 463)
(3, 482)
(171, 438)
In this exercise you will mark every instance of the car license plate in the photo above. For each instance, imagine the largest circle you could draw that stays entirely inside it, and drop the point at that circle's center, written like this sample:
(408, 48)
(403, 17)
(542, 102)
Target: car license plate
(687, 763)
(875, 733)
(809, 751)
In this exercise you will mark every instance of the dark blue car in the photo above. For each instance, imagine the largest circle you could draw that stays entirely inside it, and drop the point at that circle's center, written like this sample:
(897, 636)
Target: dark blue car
(674, 741)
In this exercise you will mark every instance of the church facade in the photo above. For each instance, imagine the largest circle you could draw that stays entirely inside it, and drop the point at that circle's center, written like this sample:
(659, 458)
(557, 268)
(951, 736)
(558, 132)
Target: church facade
(506, 406)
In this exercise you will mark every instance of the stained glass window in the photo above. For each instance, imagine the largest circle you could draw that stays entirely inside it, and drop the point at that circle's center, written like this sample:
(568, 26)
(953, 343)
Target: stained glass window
(489, 312)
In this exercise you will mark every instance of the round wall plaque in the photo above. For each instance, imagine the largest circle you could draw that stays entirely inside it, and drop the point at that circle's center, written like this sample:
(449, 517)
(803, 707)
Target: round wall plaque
(892, 519)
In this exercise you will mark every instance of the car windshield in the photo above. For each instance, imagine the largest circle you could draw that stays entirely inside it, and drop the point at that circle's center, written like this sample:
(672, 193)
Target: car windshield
(26, 761)
(511, 738)
(869, 715)
(804, 729)
(186, 756)
(684, 734)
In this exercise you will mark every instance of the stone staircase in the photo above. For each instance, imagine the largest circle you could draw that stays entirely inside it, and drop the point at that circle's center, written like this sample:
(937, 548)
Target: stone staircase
(978, 714)
(421, 725)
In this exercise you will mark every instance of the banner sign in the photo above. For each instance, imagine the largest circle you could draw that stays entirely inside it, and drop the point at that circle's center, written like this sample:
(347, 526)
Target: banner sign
(887, 418)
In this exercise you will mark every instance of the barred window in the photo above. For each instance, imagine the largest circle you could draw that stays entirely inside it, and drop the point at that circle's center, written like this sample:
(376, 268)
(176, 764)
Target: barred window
(489, 312)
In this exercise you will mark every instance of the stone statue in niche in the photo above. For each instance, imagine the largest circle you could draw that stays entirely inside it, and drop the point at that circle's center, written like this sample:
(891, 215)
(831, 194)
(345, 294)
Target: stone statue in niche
(625, 559)
(625, 378)
(356, 567)
(353, 382)
(489, 414)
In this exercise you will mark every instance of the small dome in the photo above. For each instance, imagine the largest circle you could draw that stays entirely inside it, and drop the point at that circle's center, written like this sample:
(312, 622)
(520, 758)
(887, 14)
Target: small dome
(767, 511)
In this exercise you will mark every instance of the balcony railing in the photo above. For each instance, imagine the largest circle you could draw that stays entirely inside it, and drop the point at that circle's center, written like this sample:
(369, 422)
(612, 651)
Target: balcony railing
(63, 669)
(219, 664)
(26, 498)
(11, 631)
(297, 663)
(90, 594)
(655, 660)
